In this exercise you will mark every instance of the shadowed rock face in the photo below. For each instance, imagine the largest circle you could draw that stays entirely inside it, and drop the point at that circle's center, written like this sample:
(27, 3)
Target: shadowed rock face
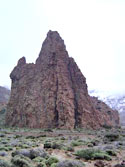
(52, 92)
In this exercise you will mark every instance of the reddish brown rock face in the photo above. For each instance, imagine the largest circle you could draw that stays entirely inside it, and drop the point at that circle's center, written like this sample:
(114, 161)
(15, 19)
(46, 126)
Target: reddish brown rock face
(52, 92)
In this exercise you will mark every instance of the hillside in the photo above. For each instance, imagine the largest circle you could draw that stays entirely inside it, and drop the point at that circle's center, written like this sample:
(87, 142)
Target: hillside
(116, 102)
(4, 94)
(4, 97)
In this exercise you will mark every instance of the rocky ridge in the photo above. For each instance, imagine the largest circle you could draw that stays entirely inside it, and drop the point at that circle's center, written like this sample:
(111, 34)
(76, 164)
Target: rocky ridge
(53, 92)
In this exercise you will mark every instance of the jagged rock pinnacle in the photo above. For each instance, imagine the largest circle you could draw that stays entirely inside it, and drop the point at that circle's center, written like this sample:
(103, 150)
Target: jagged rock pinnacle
(53, 92)
(21, 61)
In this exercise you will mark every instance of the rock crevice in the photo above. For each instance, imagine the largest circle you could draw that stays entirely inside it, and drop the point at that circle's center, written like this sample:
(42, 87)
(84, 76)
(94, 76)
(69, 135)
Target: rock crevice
(75, 98)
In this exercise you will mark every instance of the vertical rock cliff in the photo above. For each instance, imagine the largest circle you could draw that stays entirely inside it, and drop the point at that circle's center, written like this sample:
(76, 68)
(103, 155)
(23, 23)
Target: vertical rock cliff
(52, 92)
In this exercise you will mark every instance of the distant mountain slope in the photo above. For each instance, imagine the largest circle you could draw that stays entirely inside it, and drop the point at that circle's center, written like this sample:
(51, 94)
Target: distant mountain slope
(4, 94)
(4, 97)
(116, 102)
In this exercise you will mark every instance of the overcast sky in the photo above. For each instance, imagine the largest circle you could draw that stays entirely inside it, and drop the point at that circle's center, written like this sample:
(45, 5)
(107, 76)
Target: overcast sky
(93, 31)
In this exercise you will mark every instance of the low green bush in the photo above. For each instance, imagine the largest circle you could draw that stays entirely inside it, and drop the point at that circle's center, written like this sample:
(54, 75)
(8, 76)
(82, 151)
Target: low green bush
(111, 152)
(4, 163)
(41, 164)
(39, 159)
(47, 145)
(111, 136)
(56, 145)
(4, 148)
(69, 163)
(101, 155)
(51, 160)
(76, 143)
(69, 148)
(21, 161)
(54, 165)
(90, 154)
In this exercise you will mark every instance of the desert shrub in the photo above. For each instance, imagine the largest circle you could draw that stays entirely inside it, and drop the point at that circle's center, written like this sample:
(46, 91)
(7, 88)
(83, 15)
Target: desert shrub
(38, 152)
(4, 142)
(101, 155)
(2, 135)
(51, 160)
(21, 161)
(54, 165)
(111, 136)
(4, 163)
(24, 146)
(86, 154)
(76, 143)
(56, 145)
(24, 152)
(89, 154)
(5, 148)
(62, 138)
(41, 164)
(39, 159)
(47, 145)
(17, 136)
(90, 145)
(95, 142)
(69, 148)
(3, 153)
(69, 163)
(30, 137)
(111, 152)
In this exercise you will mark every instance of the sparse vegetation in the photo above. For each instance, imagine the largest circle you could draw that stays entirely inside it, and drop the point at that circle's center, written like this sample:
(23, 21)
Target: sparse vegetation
(25, 147)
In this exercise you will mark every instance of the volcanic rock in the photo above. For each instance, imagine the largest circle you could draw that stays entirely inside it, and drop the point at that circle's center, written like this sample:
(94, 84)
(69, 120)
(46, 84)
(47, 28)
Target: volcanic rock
(52, 93)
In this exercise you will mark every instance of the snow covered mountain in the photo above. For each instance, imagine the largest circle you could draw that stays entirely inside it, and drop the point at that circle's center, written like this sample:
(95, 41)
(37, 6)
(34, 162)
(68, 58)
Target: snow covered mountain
(116, 102)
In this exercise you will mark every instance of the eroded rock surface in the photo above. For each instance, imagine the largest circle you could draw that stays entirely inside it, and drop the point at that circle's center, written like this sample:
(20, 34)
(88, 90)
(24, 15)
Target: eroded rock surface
(52, 92)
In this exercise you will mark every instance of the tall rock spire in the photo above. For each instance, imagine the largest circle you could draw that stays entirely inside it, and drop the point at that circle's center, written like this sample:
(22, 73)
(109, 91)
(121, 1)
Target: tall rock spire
(53, 92)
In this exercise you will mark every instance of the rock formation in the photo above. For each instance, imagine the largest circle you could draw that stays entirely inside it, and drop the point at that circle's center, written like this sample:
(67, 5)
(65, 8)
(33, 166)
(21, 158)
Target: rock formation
(52, 92)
